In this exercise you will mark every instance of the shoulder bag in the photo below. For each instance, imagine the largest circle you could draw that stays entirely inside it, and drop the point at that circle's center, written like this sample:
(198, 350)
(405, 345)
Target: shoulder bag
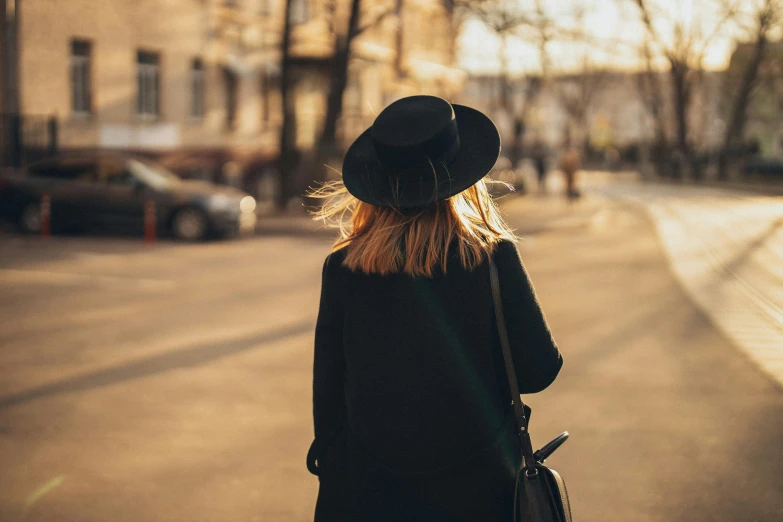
(540, 493)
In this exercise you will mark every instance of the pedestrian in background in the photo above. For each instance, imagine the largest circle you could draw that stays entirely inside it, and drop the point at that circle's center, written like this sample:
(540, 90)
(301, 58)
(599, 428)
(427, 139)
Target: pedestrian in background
(612, 158)
(570, 163)
(539, 159)
(412, 410)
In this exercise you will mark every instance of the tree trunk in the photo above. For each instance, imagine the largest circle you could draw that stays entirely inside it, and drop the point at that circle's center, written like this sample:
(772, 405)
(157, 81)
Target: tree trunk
(288, 158)
(516, 124)
(584, 128)
(736, 127)
(679, 75)
(327, 143)
(505, 95)
(650, 87)
(399, 41)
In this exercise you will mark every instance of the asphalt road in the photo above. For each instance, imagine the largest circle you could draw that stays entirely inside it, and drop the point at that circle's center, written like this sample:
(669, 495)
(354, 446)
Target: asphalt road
(172, 382)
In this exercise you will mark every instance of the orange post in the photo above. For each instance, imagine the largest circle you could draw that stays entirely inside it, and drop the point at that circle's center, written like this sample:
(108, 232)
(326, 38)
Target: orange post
(46, 216)
(150, 222)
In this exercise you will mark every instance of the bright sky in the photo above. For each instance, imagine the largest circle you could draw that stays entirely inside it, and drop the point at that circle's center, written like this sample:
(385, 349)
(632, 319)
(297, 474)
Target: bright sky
(614, 24)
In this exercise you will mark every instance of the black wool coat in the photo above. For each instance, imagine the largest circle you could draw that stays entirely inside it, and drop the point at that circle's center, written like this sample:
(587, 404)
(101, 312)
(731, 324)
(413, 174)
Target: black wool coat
(411, 404)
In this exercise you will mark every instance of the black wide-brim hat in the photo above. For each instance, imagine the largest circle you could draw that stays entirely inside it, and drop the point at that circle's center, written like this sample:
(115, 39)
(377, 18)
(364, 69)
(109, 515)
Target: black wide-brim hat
(419, 150)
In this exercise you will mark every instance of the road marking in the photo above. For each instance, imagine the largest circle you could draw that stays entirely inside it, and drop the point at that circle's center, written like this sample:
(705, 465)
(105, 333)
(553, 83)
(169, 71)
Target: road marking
(16, 276)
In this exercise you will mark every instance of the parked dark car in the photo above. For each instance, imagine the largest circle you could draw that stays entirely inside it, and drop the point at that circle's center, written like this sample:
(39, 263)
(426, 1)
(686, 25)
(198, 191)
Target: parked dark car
(109, 192)
(761, 166)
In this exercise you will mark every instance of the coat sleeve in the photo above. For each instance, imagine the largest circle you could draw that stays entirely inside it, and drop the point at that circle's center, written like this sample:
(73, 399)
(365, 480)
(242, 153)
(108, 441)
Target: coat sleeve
(537, 359)
(328, 365)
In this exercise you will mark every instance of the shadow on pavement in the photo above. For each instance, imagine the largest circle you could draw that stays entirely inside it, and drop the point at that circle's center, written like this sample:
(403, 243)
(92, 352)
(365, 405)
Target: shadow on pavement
(154, 365)
(648, 317)
(25, 251)
(754, 246)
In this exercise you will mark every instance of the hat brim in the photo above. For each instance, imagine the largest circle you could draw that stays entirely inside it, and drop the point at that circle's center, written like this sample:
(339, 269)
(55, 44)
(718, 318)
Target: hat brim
(369, 181)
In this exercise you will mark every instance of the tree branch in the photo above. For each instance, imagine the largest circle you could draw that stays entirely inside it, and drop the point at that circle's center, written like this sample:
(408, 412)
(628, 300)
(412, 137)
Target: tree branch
(729, 13)
(378, 19)
(647, 20)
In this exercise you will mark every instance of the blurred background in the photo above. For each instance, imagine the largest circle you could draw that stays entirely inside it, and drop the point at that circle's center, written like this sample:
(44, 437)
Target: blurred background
(159, 273)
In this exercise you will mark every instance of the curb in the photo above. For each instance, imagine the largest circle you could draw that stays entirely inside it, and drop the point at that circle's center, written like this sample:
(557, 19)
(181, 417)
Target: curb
(769, 189)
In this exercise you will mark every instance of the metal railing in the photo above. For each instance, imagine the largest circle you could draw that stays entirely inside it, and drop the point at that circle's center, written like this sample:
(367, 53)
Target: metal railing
(26, 138)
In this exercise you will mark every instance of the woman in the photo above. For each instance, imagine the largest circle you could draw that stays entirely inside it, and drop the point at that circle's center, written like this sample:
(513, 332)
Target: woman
(412, 409)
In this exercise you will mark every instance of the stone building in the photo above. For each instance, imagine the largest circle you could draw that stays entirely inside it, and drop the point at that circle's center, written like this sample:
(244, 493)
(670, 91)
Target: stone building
(150, 76)
(196, 82)
(765, 111)
(615, 114)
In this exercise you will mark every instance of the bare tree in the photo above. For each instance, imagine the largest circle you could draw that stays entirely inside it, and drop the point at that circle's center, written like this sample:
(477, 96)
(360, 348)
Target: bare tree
(577, 92)
(288, 158)
(327, 142)
(765, 18)
(504, 18)
(652, 96)
(510, 19)
(399, 40)
(533, 24)
(685, 56)
(459, 12)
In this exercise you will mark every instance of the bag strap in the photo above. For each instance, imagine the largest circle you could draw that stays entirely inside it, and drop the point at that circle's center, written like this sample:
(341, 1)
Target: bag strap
(519, 406)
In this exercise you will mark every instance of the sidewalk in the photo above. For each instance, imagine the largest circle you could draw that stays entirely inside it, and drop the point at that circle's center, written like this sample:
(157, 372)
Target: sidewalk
(726, 248)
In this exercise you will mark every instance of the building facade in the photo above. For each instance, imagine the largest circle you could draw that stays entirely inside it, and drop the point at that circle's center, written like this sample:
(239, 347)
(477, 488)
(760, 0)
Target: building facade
(606, 123)
(152, 76)
(405, 47)
(764, 127)
(196, 82)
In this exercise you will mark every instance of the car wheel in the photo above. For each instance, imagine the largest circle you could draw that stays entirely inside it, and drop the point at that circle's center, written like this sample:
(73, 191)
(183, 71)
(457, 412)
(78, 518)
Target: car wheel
(189, 224)
(30, 218)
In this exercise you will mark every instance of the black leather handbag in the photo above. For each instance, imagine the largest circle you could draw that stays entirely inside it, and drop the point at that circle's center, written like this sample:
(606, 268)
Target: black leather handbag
(540, 492)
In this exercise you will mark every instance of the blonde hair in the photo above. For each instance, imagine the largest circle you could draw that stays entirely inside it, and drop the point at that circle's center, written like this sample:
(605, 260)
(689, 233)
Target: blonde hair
(387, 240)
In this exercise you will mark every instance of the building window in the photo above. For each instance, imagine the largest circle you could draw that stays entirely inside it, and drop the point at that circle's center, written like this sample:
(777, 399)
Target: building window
(300, 11)
(197, 89)
(148, 84)
(81, 78)
(231, 85)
